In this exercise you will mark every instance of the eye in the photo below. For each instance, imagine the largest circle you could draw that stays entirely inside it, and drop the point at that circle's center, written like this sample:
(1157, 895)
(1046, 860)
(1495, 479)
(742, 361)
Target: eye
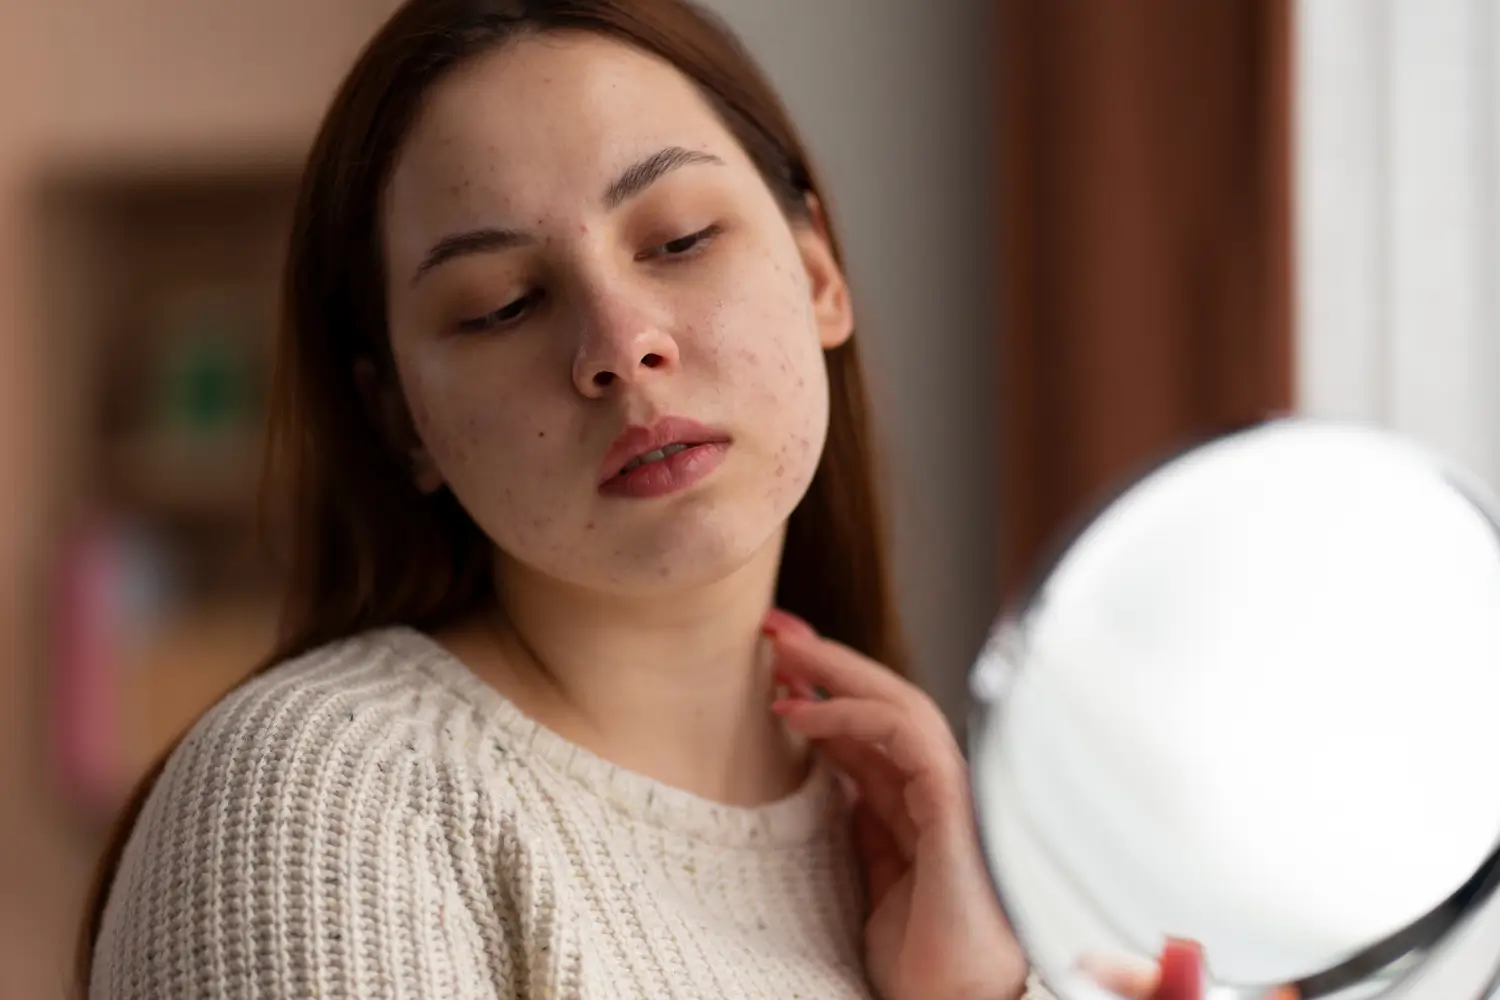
(504, 316)
(685, 246)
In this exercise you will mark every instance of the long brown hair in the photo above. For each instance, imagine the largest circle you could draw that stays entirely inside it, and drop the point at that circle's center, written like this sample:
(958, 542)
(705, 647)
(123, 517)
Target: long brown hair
(365, 547)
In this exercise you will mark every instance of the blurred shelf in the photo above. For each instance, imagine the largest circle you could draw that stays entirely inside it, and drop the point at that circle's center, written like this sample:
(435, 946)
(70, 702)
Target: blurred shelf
(160, 289)
(187, 478)
(186, 665)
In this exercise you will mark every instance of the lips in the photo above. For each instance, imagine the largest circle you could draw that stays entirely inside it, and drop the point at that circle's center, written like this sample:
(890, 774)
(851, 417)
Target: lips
(663, 439)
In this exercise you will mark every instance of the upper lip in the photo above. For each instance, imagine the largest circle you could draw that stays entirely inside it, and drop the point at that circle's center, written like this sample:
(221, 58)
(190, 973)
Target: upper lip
(637, 440)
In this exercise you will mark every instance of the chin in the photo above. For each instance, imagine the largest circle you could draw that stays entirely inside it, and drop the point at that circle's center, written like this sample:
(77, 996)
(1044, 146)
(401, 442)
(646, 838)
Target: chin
(694, 553)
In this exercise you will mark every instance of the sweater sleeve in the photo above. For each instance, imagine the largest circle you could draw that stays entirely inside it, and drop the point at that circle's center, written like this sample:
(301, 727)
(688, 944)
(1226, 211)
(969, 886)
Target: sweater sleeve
(301, 843)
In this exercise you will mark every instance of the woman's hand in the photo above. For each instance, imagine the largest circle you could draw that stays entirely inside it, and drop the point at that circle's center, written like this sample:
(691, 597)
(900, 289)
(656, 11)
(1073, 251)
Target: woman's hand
(1178, 974)
(935, 930)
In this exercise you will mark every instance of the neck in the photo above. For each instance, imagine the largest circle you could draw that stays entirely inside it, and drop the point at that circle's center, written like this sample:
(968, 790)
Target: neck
(675, 686)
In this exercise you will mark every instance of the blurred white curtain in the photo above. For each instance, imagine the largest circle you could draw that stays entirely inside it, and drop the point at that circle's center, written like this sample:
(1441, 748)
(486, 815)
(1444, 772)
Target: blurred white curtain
(1398, 219)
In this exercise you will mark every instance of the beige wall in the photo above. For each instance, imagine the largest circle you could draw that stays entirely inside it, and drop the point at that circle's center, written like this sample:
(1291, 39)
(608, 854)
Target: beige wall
(891, 94)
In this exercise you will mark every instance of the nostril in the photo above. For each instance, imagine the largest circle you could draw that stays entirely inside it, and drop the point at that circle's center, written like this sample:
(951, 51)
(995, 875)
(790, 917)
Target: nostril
(653, 361)
(603, 379)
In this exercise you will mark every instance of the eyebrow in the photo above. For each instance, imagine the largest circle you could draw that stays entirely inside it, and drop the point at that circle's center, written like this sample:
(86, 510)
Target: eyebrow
(465, 244)
(636, 179)
(652, 169)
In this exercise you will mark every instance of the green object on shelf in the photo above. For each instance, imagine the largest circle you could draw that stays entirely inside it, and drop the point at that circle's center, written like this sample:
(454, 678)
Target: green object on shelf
(209, 380)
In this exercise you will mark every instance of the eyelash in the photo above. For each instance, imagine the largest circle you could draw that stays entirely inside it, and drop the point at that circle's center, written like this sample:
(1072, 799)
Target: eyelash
(691, 245)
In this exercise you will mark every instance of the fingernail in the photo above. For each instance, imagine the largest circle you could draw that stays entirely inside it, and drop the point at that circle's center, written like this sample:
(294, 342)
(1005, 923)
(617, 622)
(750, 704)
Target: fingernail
(1181, 965)
(778, 622)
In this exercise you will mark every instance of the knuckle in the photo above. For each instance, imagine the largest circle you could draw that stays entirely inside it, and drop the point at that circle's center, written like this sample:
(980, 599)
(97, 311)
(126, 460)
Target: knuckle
(929, 715)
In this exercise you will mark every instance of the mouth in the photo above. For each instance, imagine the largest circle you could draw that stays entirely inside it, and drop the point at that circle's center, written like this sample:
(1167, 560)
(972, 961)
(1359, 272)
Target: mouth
(642, 446)
(654, 456)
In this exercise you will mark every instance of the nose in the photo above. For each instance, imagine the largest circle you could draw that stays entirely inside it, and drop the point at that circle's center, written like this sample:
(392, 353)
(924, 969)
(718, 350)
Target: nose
(621, 345)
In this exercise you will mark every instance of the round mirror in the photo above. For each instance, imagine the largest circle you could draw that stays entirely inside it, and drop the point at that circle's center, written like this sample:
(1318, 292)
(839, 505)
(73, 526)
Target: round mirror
(1245, 734)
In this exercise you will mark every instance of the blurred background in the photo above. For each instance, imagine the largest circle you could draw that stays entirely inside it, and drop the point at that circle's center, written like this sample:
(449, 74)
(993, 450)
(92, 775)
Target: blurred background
(1082, 235)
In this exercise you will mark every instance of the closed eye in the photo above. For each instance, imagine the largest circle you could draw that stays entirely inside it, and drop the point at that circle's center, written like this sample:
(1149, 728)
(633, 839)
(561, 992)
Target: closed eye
(514, 312)
(684, 246)
(504, 316)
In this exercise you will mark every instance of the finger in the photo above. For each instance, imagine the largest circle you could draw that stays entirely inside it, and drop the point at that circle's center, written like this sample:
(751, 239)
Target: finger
(805, 660)
(831, 664)
(805, 664)
(934, 769)
(1132, 978)
(882, 786)
(1181, 971)
(778, 620)
(880, 858)
(799, 688)
(877, 724)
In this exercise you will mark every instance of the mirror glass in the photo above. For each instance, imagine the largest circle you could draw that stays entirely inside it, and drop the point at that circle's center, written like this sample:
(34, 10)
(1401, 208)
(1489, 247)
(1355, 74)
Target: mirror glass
(1251, 716)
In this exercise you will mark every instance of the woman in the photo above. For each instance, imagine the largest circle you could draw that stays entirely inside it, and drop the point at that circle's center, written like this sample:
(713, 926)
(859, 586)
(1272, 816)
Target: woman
(567, 402)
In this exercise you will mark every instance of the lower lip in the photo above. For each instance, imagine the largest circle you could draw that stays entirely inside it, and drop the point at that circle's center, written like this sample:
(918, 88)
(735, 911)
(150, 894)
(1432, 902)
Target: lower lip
(672, 474)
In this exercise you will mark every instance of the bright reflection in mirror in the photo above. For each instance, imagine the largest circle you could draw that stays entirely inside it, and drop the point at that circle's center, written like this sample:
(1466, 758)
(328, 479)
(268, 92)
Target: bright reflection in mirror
(1255, 706)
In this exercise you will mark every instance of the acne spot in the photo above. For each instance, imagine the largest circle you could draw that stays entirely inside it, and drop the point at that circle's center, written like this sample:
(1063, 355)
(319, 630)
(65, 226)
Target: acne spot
(541, 434)
(780, 471)
(589, 527)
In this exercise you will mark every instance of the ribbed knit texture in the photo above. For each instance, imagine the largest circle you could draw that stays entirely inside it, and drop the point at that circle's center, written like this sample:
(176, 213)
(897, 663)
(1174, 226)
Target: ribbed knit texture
(373, 821)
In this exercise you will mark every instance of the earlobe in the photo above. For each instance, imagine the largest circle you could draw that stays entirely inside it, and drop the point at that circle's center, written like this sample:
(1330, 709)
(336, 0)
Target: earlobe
(834, 313)
(833, 308)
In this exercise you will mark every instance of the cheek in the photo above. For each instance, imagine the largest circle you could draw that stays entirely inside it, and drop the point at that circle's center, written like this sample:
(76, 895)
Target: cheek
(451, 430)
(767, 342)
(505, 465)
(474, 427)
(797, 459)
(778, 378)
(777, 370)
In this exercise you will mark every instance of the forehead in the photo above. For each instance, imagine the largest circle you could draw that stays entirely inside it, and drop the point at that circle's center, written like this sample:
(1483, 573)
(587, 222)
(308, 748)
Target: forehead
(546, 122)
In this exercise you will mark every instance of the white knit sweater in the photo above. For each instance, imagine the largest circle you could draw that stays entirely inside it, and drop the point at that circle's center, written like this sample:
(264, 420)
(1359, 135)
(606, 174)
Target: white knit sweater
(373, 821)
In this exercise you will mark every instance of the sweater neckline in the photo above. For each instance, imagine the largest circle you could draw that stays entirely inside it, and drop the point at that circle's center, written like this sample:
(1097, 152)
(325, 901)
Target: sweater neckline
(803, 815)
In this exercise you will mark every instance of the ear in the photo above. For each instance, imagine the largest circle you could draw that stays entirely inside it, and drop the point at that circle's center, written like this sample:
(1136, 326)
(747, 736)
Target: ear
(387, 410)
(832, 307)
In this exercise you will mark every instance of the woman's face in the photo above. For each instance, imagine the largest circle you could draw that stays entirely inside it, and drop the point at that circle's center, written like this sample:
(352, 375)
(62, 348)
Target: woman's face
(576, 246)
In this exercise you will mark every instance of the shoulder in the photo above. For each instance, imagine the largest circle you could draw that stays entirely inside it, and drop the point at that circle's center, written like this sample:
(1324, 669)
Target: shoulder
(372, 722)
(337, 792)
(371, 717)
